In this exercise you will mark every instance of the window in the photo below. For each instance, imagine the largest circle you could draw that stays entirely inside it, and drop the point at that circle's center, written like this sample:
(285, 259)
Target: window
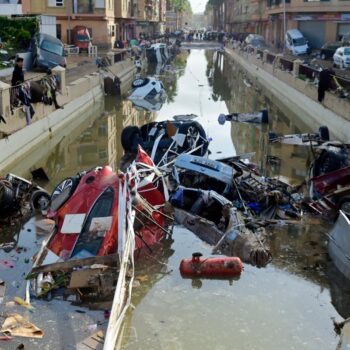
(52, 47)
(112, 30)
(56, 3)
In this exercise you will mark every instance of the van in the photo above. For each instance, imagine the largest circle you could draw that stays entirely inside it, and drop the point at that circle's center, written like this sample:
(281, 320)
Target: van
(47, 52)
(81, 37)
(296, 42)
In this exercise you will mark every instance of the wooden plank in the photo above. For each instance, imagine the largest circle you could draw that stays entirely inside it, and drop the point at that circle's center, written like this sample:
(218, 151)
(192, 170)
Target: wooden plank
(110, 260)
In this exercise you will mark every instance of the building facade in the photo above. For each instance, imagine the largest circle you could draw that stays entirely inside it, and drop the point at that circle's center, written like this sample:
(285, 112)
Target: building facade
(97, 15)
(320, 21)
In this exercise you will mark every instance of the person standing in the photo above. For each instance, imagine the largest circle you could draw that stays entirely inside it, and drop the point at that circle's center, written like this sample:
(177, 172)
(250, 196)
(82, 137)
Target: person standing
(16, 81)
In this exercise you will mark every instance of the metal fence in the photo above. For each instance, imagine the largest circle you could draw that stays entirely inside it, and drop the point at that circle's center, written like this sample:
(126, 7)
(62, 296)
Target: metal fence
(307, 72)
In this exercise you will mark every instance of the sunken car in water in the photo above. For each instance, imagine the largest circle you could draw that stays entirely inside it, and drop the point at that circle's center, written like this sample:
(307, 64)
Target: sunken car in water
(157, 53)
(215, 220)
(147, 89)
(238, 181)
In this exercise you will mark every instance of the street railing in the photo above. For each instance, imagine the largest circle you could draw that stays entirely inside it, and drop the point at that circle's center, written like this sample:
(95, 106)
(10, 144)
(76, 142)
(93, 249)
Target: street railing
(307, 72)
(270, 58)
(286, 64)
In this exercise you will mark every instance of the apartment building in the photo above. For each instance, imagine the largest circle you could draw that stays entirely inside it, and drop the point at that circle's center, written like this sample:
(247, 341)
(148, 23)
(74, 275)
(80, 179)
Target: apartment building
(126, 14)
(320, 21)
(97, 15)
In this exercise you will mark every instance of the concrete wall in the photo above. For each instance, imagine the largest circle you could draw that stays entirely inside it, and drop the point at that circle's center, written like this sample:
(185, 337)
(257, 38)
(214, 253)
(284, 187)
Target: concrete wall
(297, 96)
(84, 93)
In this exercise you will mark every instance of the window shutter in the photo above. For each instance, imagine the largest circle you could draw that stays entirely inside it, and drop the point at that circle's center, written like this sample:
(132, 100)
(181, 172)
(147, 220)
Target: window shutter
(52, 3)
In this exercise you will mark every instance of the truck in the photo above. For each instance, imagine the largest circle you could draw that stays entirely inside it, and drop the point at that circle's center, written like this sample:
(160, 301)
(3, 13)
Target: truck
(81, 37)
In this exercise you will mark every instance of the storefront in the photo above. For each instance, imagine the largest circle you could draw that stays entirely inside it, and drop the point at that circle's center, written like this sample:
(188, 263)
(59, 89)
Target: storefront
(127, 29)
(314, 32)
(319, 28)
(343, 25)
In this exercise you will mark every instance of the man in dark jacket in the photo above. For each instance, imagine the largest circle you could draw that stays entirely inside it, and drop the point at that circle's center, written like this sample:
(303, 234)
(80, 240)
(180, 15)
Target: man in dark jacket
(324, 83)
(18, 75)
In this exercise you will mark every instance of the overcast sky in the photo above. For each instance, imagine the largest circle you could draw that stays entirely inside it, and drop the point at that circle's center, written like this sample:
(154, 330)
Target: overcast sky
(198, 5)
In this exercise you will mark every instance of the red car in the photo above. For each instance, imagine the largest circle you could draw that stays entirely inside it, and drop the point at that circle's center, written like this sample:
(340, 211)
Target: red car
(85, 209)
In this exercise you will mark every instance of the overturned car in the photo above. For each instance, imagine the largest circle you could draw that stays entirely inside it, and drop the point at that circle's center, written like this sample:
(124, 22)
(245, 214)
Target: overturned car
(164, 140)
(18, 195)
(147, 89)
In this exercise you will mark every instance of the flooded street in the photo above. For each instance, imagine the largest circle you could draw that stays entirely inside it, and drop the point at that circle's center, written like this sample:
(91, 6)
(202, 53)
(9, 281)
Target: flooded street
(289, 304)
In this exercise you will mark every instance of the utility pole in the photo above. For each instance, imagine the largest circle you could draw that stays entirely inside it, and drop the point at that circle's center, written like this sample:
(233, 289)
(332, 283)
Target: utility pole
(69, 8)
(284, 25)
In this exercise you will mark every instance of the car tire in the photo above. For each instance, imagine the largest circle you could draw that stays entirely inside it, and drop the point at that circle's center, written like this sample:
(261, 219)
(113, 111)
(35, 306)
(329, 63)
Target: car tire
(127, 138)
(40, 200)
(324, 132)
(137, 83)
(344, 205)
(192, 130)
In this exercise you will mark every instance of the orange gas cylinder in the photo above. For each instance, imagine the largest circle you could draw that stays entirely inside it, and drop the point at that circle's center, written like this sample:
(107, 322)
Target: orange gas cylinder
(211, 267)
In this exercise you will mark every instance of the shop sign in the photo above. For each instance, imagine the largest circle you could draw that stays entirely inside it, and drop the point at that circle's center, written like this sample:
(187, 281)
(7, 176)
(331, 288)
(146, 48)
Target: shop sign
(143, 23)
(318, 17)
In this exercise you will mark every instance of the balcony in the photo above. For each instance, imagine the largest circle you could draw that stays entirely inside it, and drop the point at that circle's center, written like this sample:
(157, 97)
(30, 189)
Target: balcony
(10, 9)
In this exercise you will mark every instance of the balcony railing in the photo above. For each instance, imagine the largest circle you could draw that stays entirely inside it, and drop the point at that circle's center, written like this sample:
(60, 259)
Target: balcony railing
(10, 9)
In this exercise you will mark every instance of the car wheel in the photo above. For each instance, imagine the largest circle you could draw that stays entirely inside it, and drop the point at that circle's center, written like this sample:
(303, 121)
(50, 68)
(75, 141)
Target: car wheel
(62, 192)
(344, 206)
(128, 138)
(194, 137)
(324, 132)
(139, 82)
(40, 200)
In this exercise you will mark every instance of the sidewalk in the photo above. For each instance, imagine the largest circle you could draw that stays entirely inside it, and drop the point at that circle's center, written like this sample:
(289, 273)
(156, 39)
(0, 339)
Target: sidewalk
(314, 113)
(77, 66)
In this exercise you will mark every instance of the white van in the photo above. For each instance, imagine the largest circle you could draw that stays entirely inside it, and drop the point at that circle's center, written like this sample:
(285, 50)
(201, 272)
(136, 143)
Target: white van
(296, 42)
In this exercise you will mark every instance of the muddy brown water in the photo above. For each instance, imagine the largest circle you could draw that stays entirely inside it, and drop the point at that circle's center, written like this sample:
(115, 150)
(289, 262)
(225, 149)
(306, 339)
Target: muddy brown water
(289, 304)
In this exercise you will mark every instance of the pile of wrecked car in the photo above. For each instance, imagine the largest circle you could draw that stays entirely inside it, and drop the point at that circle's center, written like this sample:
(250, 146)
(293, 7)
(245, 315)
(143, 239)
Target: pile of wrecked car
(99, 220)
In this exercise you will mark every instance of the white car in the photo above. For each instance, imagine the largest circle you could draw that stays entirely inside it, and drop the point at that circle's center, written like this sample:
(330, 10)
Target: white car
(149, 89)
(341, 58)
